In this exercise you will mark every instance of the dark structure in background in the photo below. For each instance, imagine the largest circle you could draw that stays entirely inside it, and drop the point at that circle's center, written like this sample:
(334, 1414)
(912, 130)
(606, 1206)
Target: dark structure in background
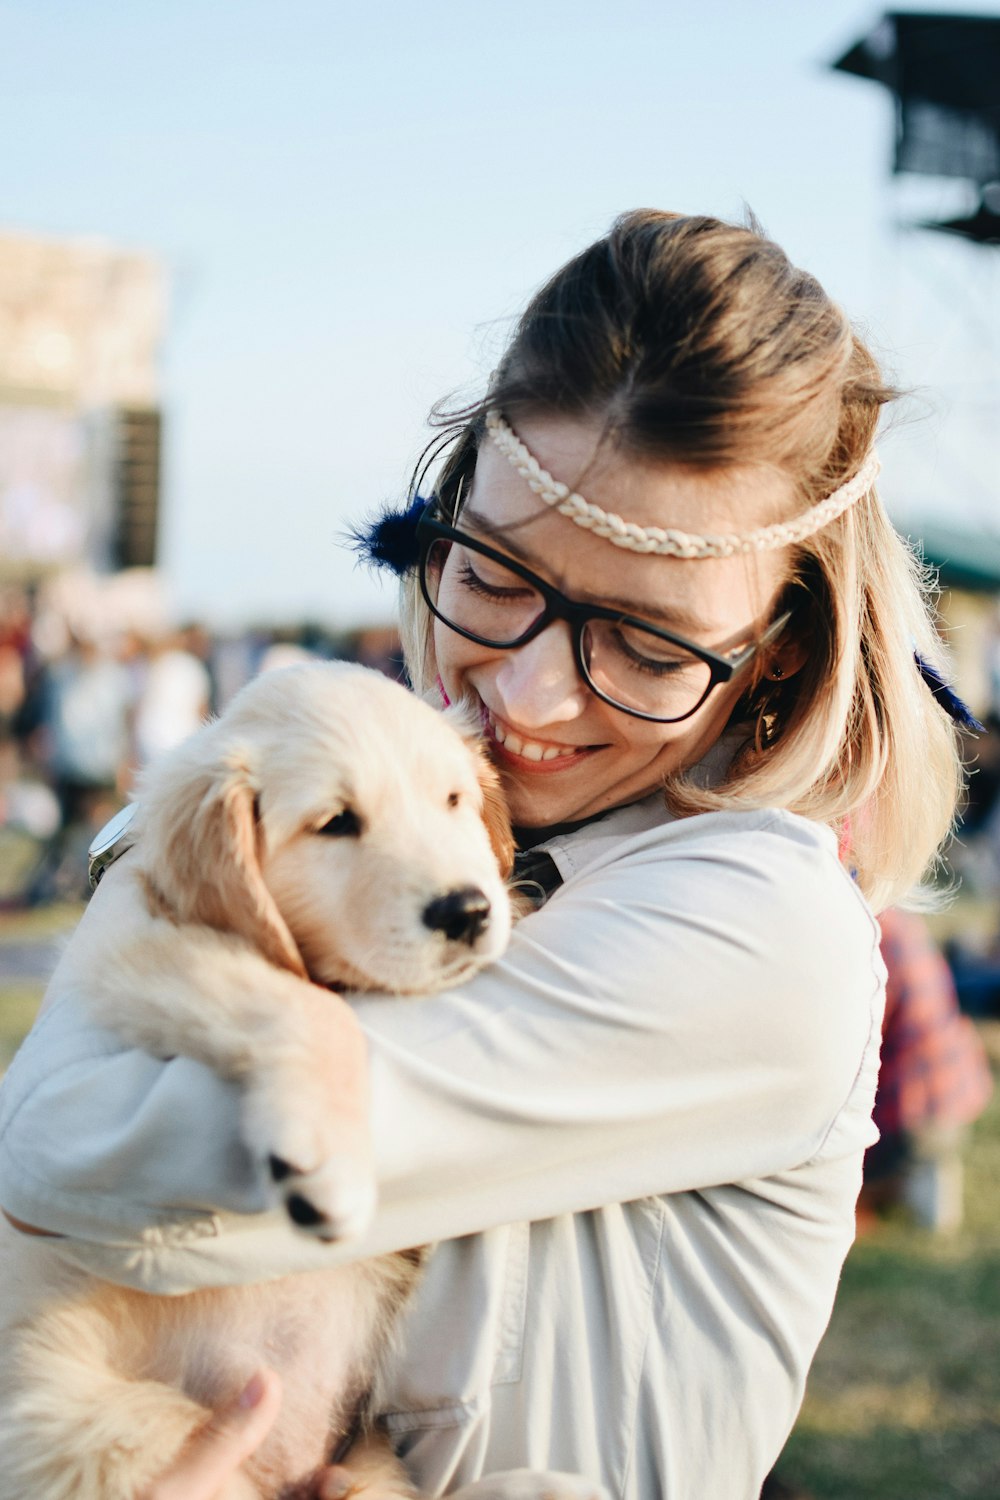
(944, 74)
(136, 485)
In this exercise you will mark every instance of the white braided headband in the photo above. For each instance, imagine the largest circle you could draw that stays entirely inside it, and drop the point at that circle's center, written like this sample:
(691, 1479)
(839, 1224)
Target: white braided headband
(671, 543)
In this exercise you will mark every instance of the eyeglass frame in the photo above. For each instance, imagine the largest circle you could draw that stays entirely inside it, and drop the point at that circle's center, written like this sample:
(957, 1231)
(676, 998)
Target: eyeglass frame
(558, 606)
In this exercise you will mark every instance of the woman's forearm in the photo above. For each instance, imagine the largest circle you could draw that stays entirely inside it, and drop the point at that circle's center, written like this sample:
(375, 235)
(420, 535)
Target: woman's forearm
(662, 1049)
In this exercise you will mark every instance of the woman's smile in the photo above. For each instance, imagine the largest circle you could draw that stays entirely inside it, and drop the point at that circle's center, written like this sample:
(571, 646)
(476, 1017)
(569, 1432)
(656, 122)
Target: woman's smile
(528, 753)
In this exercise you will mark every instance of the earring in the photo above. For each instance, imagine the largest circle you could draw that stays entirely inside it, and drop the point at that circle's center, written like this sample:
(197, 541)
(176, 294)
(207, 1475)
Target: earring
(777, 672)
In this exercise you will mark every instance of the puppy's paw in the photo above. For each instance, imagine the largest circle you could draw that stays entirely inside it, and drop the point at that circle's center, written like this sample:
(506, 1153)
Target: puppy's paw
(317, 1164)
(335, 1201)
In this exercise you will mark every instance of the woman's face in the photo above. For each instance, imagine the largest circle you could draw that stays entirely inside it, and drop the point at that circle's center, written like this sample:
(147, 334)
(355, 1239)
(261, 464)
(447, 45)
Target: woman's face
(533, 699)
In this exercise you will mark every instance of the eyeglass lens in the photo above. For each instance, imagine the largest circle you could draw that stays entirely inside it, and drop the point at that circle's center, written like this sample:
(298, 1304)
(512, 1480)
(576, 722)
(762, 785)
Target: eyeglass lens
(629, 665)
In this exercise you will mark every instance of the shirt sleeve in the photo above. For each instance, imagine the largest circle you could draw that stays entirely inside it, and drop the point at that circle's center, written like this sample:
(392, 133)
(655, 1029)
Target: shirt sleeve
(689, 1010)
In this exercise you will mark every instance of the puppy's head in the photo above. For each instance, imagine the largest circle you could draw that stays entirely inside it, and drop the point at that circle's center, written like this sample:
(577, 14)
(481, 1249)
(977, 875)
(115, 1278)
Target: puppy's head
(339, 824)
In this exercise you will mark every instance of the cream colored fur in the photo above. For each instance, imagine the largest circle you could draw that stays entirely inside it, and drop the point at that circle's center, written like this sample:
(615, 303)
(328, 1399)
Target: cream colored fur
(240, 879)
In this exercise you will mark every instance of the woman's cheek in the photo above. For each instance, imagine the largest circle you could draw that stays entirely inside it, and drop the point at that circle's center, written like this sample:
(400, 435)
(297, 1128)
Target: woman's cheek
(454, 655)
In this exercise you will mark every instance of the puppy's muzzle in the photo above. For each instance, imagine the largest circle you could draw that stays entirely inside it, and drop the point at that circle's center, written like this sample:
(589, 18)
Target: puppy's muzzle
(462, 916)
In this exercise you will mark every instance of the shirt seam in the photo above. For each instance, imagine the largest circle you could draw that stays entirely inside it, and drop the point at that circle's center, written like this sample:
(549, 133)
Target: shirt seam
(574, 854)
(650, 1300)
(454, 1414)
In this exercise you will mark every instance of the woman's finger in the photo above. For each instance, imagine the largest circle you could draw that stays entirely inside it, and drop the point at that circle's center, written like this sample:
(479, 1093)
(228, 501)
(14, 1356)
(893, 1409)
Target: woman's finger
(216, 1451)
(336, 1483)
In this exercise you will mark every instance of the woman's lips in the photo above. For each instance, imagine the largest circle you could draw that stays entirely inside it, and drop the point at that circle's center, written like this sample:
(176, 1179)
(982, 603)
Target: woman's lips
(527, 754)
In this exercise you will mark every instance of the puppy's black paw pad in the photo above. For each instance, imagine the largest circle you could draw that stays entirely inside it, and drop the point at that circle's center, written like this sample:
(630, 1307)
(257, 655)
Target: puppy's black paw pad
(304, 1213)
(280, 1169)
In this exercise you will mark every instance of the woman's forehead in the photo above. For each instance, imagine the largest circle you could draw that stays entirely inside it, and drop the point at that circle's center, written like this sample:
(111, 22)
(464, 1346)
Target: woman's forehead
(644, 490)
(708, 592)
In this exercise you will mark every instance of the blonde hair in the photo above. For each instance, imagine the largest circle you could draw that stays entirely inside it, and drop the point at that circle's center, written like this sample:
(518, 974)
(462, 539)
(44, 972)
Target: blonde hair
(698, 343)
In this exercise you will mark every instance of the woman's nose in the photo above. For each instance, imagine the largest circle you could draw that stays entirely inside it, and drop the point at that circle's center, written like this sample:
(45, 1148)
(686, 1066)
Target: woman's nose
(539, 683)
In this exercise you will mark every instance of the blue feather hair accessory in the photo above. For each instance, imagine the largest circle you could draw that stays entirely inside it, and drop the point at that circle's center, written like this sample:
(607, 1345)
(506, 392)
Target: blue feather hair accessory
(390, 541)
(947, 697)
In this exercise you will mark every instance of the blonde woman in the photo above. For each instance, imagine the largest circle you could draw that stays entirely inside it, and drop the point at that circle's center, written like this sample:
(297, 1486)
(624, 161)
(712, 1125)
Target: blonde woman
(657, 566)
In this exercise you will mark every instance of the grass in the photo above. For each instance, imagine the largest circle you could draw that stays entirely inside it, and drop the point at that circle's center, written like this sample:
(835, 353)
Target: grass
(18, 1003)
(904, 1399)
(39, 923)
(19, 997)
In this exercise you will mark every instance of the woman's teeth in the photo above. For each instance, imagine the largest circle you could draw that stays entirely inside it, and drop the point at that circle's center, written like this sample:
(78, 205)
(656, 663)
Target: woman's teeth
(529, 749)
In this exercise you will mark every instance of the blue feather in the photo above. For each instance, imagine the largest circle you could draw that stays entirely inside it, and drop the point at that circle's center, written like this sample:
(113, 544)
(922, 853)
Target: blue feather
(390, 541)
(946, 696)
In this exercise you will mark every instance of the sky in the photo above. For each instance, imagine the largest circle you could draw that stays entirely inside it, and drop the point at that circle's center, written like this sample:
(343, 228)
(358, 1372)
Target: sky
(354, 201)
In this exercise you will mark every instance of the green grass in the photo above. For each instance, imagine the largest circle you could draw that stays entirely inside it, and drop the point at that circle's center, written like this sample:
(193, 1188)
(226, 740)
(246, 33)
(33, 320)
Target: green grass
(18, 1003)
(39, 923)
(19, 998)
(904, 1399)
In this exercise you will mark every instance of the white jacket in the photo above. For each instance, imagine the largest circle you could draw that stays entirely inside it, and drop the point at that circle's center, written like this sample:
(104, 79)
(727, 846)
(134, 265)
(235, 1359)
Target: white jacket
(637, 1140)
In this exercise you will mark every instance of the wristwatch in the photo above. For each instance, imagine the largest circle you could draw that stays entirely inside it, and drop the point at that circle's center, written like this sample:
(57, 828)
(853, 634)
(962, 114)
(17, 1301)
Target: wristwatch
(114, 838)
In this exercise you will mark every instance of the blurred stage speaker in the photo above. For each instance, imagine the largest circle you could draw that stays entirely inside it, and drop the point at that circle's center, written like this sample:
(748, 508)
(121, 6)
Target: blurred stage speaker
(136, 487)
(944, 72)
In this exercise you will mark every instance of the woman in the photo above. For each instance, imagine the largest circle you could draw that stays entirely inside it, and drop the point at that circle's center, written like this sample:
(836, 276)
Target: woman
(638, 1138)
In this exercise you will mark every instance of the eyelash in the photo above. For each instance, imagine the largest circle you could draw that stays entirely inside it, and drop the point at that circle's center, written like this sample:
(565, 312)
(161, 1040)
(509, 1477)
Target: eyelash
(646, 664)
(476, 585)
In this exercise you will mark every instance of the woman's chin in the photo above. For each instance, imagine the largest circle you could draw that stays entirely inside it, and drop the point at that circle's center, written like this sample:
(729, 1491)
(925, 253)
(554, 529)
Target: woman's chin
(540, 804)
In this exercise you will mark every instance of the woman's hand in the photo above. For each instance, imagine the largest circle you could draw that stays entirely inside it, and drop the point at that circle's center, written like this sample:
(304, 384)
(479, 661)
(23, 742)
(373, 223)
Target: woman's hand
(213, 1455)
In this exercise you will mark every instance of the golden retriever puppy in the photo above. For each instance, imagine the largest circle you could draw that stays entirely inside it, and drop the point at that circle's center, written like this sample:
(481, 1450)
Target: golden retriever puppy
(330, 830)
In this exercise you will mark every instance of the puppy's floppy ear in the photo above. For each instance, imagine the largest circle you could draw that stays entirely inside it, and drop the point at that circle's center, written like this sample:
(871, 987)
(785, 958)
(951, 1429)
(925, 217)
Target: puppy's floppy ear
(495, 815)
(201, 851)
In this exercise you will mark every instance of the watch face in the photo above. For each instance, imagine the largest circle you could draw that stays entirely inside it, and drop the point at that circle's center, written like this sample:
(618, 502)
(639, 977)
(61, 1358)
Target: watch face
(113, 831)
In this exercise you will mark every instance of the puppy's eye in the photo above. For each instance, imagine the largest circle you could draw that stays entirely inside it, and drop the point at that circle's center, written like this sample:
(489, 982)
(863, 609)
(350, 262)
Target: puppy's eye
(346, 825)
(454, 798)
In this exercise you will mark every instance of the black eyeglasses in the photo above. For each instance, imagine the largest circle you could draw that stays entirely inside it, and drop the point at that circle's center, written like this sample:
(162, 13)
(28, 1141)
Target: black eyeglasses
(487, 597)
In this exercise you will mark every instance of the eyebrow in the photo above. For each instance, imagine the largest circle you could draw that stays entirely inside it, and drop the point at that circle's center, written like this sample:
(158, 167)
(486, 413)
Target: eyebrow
(670, 618)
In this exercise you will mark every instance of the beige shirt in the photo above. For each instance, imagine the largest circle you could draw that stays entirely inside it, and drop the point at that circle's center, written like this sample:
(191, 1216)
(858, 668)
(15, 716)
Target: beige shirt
(637, 1140)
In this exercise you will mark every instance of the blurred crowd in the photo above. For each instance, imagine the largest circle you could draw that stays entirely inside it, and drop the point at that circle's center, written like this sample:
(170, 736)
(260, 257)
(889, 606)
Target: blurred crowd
(93, 686)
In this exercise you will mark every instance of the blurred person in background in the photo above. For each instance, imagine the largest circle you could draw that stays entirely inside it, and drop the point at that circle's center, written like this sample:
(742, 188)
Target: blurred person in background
(934, 1081)
(174, 695)
(85, 743)
(29, 810)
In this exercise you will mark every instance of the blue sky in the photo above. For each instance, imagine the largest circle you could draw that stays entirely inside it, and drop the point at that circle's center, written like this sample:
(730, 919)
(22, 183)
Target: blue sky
(353, 201)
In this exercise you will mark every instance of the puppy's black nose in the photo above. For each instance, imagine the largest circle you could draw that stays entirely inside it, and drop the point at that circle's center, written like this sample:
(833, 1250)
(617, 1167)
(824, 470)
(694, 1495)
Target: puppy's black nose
(462, 915)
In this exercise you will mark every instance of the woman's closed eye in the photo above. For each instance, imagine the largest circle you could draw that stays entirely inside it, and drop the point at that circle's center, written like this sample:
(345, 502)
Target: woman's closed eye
(650, 655)
(498, 587)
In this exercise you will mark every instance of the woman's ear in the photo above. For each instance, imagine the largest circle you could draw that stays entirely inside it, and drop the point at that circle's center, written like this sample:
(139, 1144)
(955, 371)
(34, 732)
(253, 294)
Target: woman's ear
(789, 653)
(200, 847)
(785, 659)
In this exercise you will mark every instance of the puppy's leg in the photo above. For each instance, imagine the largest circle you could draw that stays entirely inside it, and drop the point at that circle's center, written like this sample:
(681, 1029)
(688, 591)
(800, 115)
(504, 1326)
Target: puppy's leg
(530, 1484)
(295, 1049)
(371, 1471)
(72, 1428)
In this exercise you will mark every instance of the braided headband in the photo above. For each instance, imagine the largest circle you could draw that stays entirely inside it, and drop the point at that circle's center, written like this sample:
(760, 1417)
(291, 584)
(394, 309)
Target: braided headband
(391, 541)
(653, 539)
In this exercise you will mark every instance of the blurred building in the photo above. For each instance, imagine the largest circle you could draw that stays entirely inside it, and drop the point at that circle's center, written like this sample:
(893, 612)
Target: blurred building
(80, 329)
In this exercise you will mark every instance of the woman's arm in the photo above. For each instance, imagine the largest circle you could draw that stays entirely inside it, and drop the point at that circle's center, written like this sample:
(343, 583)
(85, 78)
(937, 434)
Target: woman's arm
(691, 1008)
